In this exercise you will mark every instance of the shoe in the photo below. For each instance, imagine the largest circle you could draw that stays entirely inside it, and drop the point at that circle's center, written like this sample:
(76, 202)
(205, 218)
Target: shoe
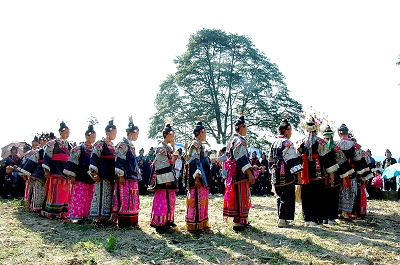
(325, 222)
(332, 222)
(306, 224)
(238, 227)
(312, 223)
(282, 223)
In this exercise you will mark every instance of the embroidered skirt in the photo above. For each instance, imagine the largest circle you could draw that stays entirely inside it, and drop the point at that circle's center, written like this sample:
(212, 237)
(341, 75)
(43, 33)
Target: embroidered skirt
(237, 202)
(80, 200)
(26, 194)
(56, 197)
(35, 195)
(100, 207)
(346, 198)
(126, 203)
(163, 211)
(197, 209)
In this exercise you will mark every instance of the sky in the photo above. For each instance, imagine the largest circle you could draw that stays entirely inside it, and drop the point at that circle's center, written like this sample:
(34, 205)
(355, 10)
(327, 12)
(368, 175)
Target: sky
(67, 60)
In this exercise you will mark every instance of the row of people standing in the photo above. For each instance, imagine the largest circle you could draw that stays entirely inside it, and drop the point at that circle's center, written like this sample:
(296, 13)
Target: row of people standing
(98, 180)
(332, 175)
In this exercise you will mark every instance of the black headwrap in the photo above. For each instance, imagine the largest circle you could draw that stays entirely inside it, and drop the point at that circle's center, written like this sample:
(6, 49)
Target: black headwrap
(131, 127)
(199, 128)
(63, 127)
(240, 123)
(167, 130)
(35, 139)
(110, 126)
(90, 130)
(343, 129)
(283, 126)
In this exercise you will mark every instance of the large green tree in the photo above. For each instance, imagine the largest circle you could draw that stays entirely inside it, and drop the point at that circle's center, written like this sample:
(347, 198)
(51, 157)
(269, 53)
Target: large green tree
(220, 76)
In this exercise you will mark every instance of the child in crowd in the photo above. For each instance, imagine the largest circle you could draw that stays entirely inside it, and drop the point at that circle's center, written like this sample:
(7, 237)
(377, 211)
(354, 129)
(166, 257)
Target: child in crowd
(8, 183)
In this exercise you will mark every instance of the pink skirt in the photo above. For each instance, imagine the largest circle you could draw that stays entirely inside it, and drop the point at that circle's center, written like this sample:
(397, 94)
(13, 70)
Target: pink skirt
(126, 204)
(35, 195)
(80, 201)
(57, 197)
(197, 209)
(26, 194)
(163, 211)
(237, 202)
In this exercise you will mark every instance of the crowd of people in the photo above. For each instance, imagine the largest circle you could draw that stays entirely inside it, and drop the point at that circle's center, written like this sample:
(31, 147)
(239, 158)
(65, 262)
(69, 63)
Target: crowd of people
(102, 181)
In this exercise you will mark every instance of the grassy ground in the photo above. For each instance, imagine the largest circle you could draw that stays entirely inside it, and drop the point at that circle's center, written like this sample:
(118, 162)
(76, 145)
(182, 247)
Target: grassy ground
(26, 238)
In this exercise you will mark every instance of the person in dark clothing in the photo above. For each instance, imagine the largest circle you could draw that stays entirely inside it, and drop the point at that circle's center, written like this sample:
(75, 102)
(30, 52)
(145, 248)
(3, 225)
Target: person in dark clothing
(8, 183)
(3, 165)
(215, 175)
(255, 163)
(145, 172)
(390, 184)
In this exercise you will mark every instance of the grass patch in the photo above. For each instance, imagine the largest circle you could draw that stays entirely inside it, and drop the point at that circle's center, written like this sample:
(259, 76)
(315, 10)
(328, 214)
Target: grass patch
(29, 239)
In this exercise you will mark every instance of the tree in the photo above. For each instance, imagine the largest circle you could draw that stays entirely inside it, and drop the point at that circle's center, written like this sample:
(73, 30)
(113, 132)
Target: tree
(222, 75)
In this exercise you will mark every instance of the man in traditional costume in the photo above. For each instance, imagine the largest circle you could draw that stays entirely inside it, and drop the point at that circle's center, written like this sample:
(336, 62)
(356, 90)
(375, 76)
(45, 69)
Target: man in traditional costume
(197, 180)
(126, 202)
(102, 170)
(82, 184)
(237, 198)
(285, 165)
(56, 154)
(164, 184)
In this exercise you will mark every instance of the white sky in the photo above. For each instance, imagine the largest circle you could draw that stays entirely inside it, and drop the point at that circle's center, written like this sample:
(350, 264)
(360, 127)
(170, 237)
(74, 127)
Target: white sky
(68, 60)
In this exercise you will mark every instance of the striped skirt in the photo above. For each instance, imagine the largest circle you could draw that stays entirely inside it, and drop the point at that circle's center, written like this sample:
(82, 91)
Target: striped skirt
(126, 204)
(346, 199)
(163, 211)
(80, 201)
(35, 195)
(100, 207)
(237, 202)
(56, 197)
(197, 209)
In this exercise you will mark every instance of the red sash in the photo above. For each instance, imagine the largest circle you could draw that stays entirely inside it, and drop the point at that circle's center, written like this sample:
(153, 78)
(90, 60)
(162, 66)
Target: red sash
(304, 173)
(60, 157)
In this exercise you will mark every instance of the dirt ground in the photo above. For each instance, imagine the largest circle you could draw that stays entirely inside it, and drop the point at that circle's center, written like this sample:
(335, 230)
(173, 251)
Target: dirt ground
(26, 238)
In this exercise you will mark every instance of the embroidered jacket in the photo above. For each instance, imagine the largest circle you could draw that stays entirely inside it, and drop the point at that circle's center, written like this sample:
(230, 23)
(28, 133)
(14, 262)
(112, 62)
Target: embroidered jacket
(33, 167)
(78, 163)
(198, 164)
(163, 166)
(126, 162)
(102, 159)
(283, 161)
(56, 154)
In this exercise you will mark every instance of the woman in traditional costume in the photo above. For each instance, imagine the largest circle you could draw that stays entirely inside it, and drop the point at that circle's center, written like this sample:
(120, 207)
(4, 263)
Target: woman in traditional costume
(164, 183)
(33, 170)
(82, 184)
(197, 180)
(237, 198)
(56, 154)
(318, 163)
(348, 150)
(102, 170)
(286, 167)
(125, 209)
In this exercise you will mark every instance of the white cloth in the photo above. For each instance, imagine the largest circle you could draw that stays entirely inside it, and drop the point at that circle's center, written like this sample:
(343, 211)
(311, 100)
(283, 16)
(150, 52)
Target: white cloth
(178, 167)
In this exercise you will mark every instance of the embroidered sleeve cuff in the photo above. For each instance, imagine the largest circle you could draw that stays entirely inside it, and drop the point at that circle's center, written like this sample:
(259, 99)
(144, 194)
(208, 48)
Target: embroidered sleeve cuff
(332, 169)
(24, 172)
(246, 167)
(93, 168)
(196, 172)
(119, 172)
(367, 177)
(296, 169)
(46, 167)
(351, 171)
(69, 173)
